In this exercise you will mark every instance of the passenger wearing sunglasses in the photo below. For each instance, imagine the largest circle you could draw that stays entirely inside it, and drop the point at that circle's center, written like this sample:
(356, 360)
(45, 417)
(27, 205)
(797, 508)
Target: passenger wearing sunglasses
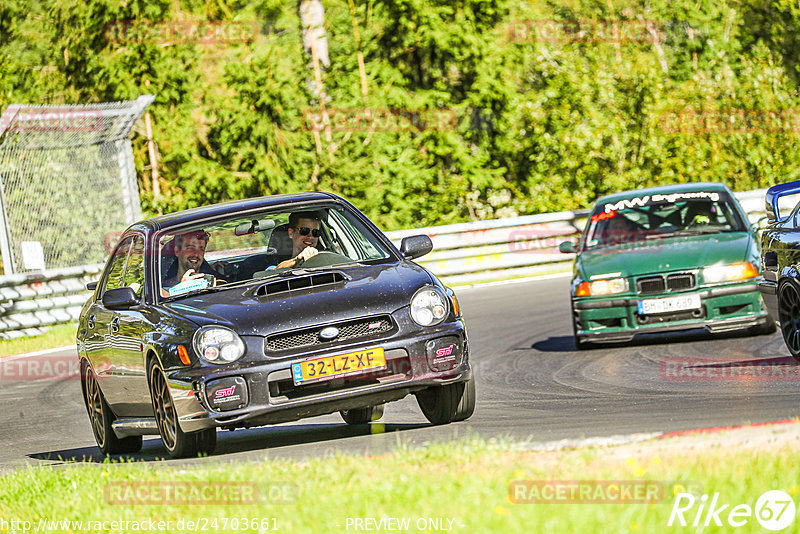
(304, 231)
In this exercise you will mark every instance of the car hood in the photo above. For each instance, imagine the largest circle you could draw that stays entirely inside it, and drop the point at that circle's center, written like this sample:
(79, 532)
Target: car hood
(670, 254)
(365, 291)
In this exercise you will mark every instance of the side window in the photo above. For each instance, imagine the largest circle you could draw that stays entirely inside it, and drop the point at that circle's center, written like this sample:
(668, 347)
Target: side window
(116, 267)
(134, 271)
(342, 236)
(360, 237)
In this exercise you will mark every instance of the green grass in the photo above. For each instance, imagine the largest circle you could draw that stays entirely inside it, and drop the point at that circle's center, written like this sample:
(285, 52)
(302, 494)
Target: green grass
(466, 481)
(56, 336)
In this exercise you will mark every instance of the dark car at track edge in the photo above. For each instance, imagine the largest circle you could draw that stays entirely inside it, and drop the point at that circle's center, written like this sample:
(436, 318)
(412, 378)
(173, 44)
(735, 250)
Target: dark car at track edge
(251, 342)
(780, 252)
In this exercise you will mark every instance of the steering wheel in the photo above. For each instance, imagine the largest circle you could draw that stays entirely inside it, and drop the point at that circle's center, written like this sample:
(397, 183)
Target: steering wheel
(322, 259)
(226, 270)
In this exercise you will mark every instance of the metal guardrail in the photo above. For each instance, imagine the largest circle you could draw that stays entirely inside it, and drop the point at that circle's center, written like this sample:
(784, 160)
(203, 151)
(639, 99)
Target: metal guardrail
(29, 302)
(462, 253)
(470, 252)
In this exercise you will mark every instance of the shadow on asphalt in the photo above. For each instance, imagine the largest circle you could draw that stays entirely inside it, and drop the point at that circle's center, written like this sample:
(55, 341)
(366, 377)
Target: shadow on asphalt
(238, 441)
(567, 343)
(556, 344)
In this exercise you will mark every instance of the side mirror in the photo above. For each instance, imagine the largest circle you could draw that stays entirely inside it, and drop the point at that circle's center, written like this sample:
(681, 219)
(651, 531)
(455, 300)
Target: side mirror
(415, 246)
(91, 286)
(567, 247)
(120, 298)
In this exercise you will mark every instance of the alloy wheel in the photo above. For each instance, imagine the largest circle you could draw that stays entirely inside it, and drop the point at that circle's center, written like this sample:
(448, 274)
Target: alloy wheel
(94, 402)
(166, 417)
(789, 316)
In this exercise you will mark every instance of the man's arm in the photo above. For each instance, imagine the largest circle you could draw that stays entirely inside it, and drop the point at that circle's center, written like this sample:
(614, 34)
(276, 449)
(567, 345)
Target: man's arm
(307, 253)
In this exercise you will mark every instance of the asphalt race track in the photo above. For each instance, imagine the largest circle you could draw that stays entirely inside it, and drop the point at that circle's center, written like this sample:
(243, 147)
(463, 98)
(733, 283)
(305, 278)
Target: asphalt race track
(532, 385)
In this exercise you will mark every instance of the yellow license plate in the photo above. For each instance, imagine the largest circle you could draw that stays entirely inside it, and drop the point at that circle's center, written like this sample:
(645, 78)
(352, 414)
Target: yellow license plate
(338, 366)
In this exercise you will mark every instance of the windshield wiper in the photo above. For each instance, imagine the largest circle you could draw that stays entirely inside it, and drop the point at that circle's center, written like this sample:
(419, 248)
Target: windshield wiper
(686, 232)
(698, 231)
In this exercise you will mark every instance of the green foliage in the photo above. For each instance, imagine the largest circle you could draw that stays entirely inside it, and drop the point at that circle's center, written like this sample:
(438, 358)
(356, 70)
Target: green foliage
(485, 121)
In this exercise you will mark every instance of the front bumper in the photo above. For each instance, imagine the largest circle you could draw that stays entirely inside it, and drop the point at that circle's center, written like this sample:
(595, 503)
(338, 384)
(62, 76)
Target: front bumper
(273, 398)
(725, 308)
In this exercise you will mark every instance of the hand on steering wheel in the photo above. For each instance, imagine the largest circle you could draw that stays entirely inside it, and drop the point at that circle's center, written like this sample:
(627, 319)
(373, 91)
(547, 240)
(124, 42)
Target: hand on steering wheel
(306, 254)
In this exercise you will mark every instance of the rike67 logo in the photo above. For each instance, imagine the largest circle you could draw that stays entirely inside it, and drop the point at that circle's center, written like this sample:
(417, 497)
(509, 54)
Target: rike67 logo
(774, 510)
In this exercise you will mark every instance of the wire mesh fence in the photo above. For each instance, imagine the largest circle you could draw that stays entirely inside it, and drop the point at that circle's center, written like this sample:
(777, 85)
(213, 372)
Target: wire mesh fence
(67, 180)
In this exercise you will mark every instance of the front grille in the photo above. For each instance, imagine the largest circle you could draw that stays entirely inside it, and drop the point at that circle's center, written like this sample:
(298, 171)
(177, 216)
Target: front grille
(651, 285)
(359, 328)
(680, 281)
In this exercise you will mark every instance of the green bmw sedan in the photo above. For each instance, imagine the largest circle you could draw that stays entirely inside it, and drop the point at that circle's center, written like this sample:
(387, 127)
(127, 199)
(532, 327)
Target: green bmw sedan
(678, 257)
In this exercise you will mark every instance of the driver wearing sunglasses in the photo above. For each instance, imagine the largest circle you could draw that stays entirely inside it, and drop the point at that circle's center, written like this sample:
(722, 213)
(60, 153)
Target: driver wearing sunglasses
(304, 231)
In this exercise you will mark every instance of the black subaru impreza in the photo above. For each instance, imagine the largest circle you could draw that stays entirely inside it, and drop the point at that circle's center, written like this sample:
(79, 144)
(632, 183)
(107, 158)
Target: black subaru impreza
(263, 311)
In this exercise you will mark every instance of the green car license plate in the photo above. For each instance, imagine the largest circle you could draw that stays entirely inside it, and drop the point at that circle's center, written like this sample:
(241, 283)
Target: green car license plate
(669, 304)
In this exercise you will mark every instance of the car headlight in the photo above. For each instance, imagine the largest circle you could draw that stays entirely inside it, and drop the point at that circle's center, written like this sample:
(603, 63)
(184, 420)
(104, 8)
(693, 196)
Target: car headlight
(729, 273)
(597, 288)
(216, 344)
(428, 306)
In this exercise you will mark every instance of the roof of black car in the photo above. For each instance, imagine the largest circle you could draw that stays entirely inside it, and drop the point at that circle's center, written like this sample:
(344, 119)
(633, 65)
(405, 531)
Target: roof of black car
(206, 212)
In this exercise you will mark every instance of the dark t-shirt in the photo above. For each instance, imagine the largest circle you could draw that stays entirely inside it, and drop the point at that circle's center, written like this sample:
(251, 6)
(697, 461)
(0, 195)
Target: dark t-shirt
(171, 277)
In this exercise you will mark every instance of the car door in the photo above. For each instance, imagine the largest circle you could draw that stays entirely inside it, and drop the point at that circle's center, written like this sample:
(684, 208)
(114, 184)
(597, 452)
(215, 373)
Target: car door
(126, 333)
(99, 320)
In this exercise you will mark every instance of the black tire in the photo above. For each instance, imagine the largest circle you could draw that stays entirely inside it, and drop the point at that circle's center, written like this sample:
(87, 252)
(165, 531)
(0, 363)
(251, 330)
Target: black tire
(206, 441)
(580, 344)
(445, 404)
(467, 405)
(362, 416)
(789, 316)
(101, 417)
(178, 443)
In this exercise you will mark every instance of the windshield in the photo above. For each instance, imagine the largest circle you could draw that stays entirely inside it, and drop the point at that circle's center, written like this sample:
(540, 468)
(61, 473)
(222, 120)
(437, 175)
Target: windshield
(241, 249)
(658, 216)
